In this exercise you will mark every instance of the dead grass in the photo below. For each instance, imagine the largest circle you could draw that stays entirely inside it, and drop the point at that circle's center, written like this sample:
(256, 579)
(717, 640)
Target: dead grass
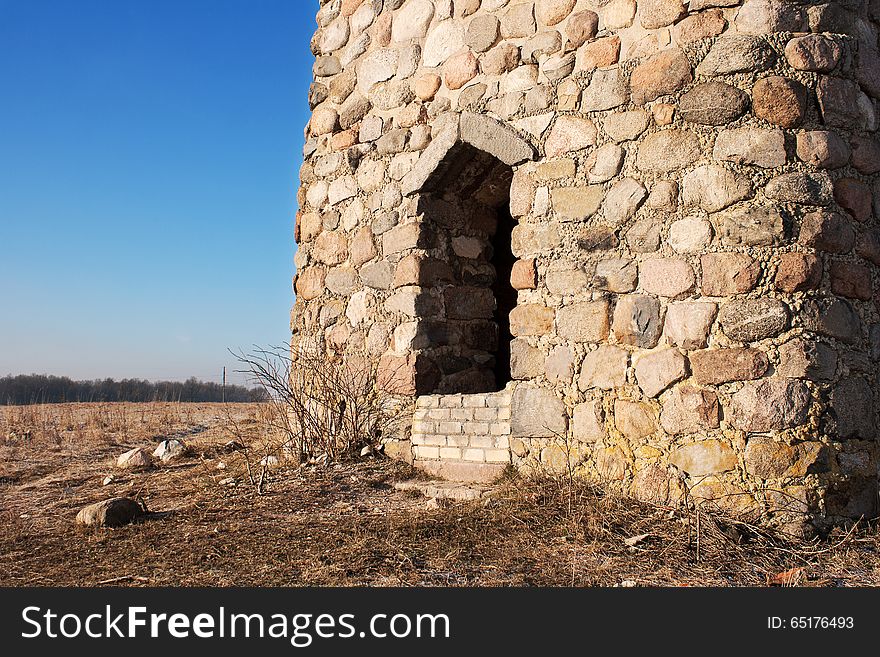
(344, 524)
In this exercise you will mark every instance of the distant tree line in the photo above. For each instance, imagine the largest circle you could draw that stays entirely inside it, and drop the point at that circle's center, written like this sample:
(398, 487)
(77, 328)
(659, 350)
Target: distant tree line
(47, 389)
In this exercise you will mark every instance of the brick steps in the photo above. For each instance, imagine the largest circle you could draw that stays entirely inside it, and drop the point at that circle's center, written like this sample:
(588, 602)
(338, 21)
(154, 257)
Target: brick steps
(462, 437)
(446, 490)
(462, 471)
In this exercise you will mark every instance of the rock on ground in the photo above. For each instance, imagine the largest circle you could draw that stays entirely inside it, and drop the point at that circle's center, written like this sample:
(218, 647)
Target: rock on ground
(115, 512)
(170, 449)
(135, 458)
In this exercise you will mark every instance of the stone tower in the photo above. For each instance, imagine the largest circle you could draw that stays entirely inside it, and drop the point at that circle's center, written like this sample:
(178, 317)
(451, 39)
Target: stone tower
(639, 236)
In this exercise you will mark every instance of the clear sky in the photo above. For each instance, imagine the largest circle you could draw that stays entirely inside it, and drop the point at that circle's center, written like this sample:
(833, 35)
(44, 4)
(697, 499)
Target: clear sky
(149, 158)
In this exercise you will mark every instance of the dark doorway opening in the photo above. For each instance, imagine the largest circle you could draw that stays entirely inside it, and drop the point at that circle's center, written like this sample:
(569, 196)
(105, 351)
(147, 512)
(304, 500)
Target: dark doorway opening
(505, 295)
(468, 228)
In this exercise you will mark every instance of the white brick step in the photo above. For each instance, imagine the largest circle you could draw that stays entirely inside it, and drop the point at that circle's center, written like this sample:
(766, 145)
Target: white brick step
(447, 490)
(462, 471)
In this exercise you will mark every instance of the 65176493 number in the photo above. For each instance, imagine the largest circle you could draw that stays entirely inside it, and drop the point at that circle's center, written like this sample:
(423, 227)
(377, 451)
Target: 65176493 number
(811, 623)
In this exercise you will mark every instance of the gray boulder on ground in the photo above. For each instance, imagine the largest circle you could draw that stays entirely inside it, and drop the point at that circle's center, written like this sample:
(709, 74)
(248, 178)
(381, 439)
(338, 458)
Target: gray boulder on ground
(170, 449)
(115, 512)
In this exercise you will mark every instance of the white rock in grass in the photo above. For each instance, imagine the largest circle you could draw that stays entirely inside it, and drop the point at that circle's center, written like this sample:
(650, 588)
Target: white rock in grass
(170, 449)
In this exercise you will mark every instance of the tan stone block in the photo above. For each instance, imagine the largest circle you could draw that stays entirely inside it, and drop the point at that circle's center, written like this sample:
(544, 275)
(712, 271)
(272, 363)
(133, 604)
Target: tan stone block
(634, 419)
(426, 86)
(531, 319)
(604, 368)
(499, 428)
(570, 133)
(474, 401)
(475, 429)
(690, 235)
(761, 147)
(668, 150)
(611, 464)
(568, 95)
(537, 413)
(626, 126)
(618, 13)
(666, 277)
(637, 320)
(577, 203)
(450, 453)
(584, 322)
(310, 283)
(687, 409)
(688, 323)
(713, 187)
(770, 404)
(471, 454)
(664, 73)
(524, 275)
(460, 69)
(696, 27)
(773, 459)
(363, 248)
(502, 58)
(526, 362)
(529, 239)
(423, 271)
(599, 53)
(559, 366)
(616, 275)
(729, 273)
(581, 27)
(704, 458)
(483, 32)
(461, 414)
(658, 370)
(588, 422)
(405, 236)
(483, 442)
(663, 113)
(562, 282)
(331, 248)
(716, 366)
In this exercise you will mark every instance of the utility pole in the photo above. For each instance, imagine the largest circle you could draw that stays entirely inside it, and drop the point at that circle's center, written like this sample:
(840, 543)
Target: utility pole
(224, 384)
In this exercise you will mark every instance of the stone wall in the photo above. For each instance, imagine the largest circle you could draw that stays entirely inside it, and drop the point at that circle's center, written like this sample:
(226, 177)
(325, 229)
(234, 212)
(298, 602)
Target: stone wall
(692, 194)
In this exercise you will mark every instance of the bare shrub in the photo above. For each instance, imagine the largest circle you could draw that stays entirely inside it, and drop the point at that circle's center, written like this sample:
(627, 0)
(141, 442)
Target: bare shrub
(320, 405)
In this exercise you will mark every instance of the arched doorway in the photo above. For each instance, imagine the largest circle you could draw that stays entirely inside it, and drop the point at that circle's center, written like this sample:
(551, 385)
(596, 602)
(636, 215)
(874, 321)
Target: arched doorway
(462, 184)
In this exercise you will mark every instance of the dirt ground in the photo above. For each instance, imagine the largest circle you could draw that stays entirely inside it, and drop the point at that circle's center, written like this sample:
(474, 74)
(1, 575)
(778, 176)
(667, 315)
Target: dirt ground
(344, 524)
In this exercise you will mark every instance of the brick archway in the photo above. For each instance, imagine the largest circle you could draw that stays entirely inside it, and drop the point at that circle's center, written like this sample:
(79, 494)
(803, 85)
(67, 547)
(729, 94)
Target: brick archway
(475, 130)
(459, 341)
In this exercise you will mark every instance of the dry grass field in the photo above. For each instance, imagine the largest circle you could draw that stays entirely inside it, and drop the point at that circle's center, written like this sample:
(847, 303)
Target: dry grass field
(344, 524)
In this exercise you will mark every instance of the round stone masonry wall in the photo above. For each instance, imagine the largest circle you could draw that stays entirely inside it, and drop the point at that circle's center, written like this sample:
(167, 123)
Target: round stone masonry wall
(690, 309)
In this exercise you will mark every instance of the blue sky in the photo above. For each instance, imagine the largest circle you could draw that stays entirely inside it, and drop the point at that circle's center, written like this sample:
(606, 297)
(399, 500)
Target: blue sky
(149, 158)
